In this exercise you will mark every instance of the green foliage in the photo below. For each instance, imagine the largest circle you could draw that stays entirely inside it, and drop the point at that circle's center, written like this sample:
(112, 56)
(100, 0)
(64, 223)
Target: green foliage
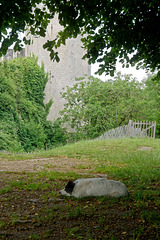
(8, 136)
(56, 134)
(23, 124)
(152, 91)
(128, 30)
(15, 16)
(93, 106)
(31, 135)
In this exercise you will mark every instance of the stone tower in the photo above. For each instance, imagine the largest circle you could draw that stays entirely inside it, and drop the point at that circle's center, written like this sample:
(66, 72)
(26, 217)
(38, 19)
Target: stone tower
(61, 74)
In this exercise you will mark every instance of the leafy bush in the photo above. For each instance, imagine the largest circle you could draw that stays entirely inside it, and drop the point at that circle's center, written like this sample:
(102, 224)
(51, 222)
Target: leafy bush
(23, 124)
(56, 135)
(93, 107)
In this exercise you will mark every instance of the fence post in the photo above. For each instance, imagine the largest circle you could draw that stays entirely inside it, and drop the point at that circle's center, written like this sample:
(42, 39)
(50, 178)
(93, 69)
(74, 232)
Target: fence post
(154, 133)
(130, 123)
(130, 126)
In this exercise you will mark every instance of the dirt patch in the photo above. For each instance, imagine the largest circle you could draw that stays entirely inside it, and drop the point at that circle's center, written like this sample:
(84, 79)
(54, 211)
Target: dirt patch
(144, 148)
(49, 164)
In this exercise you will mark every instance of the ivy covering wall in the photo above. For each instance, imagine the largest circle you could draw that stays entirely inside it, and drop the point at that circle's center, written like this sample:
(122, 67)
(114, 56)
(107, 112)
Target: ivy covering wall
(23, 124)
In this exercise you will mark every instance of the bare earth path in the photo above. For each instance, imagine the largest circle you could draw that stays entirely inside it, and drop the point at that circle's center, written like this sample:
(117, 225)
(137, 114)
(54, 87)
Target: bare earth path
(37, 165)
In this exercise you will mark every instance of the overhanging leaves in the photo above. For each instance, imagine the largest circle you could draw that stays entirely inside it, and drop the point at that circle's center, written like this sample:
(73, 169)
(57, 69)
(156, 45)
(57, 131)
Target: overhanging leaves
(111, 29)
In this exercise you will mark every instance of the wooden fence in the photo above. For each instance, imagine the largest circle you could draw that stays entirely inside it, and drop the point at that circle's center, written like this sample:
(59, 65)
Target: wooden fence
(133, 129)
(146, 129)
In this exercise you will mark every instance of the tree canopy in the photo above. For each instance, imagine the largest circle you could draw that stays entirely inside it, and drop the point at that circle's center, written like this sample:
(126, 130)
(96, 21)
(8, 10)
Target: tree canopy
(112, 29)
(93, 107)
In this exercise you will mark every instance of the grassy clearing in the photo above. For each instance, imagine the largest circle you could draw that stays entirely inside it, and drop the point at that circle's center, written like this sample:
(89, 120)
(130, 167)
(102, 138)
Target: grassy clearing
(32, 199)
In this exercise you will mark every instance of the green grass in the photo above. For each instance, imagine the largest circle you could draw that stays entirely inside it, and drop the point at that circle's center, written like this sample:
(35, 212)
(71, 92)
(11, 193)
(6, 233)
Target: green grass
(120, 150)
(5, 190)
(119, 159)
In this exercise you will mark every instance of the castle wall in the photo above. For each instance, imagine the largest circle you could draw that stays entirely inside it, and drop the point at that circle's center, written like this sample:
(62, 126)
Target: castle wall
(63, 73)
(11, 54)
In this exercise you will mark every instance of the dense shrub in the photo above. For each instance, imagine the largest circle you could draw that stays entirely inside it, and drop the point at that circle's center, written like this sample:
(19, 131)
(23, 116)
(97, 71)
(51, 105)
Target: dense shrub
(23, 124)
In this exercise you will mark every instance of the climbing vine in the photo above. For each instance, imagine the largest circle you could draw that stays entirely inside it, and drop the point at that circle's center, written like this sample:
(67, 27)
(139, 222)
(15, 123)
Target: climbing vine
(23, 124)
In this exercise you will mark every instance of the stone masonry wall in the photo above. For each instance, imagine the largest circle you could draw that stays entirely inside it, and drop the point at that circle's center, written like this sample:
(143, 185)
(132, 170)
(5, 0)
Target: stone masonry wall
(61, 74)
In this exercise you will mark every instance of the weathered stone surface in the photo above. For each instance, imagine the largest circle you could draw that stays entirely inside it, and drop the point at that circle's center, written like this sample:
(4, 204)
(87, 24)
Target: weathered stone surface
(61, 74)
